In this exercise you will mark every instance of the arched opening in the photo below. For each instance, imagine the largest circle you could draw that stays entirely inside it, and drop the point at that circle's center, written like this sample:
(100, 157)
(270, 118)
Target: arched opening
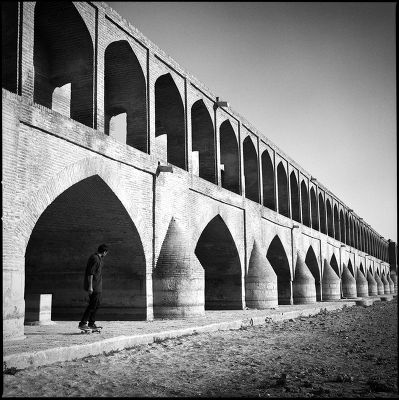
(63, 58)
(334, 265)
(350, 232)
(347, 233)
(169, 120)
(313, 265)
(229, 158)
(329, 219)
(336, 223)
(362, 269)
(9, 45)
(314, 209)
(125, 92)
(322, 213)
(350, 267)
(217, 253)
(269, 200)
(203, 142)
(295, 206)
(279, 261)
(355, 239)
(282, 190)
(251, 170)
(68, 231)
(305, 204)
(342, 226)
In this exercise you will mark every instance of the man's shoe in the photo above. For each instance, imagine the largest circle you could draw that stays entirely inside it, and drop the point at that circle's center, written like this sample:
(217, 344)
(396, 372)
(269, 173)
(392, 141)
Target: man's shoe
(94, 326)
(83, 325)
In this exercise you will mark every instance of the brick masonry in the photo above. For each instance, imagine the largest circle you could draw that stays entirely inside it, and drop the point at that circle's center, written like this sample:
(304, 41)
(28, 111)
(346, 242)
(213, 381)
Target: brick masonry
(70, 185)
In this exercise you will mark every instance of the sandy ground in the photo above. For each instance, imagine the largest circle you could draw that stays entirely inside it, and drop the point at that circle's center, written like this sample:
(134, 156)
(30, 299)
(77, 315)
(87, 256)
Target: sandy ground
(347, 353)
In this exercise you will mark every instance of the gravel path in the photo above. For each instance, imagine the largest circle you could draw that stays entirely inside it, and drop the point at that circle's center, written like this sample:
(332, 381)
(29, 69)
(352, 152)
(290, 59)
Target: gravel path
(347, 353)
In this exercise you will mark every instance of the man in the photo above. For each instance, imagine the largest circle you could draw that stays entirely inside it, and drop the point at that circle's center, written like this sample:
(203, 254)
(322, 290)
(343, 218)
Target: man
(93, 285)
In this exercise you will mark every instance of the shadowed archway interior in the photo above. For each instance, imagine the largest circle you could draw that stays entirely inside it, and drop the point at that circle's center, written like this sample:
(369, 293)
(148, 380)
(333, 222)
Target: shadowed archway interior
(63, 54)
(279, 261)
(313, 265)
(217, 253)
(125, 92)
(68, 231)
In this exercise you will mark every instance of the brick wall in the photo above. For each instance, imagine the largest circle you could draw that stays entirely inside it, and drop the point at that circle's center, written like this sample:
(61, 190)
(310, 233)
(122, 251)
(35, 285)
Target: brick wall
(60, 174)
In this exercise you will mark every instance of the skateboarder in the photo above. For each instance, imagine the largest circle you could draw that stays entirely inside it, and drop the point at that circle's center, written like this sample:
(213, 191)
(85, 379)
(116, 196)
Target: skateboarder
(93, 285)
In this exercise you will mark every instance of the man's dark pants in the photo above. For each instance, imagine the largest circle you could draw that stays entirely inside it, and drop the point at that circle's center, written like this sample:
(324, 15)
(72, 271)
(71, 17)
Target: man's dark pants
(91, 310)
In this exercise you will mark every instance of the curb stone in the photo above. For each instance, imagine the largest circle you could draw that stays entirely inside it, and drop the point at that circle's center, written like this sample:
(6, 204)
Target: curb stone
(59, 354)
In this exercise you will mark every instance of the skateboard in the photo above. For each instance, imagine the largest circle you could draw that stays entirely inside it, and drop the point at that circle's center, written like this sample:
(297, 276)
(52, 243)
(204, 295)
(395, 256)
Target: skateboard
(91, 330)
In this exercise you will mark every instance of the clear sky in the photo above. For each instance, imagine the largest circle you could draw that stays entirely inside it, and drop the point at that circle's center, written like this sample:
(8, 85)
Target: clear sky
(317, 79)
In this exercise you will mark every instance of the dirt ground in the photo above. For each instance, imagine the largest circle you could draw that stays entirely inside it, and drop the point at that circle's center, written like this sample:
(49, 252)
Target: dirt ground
(346, 353)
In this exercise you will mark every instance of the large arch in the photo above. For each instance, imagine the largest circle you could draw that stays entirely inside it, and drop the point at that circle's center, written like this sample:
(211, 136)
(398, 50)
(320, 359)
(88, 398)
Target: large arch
(322, 213)
(63, 54)
(269, 200)
(169, 120)
(336, 223)
(217, 253)
(313, 265)
(279, 261)
(305, 204)
(9, 45)
(203, 140)
(251, 170)
(67, 232)
(282, 190)
(295, 204)
(125, 92)
(229, 158)
(330, 226)
(314, 209)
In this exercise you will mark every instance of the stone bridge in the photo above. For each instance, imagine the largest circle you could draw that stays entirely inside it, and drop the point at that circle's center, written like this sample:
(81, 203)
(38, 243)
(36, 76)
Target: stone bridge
(106, 139)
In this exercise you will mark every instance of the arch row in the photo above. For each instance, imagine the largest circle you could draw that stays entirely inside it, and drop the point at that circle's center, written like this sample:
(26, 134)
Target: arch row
(158, 115)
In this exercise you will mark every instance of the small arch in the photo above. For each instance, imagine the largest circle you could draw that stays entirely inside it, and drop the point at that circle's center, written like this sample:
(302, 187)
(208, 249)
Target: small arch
(355, 242)
(269, 200)
(9, 45)
(170, 120)
(279, 261)
(336, 223)
(322, 213)
(125, 92)
(217, 253)
(314, 209)
(229, 158)
(305, 204)
(62, 55)
(251, 170)
(362, 269)
(203, 140)
(329, 219)
(347, 230)
(70, 229)
(313, 265)
(334, 265)
(350, 267)
(282, 190)
(351, 238)
(295, 205)
(342, 226)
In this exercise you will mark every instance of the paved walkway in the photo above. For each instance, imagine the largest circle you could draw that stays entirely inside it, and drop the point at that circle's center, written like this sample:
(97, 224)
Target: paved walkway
(63, 341)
